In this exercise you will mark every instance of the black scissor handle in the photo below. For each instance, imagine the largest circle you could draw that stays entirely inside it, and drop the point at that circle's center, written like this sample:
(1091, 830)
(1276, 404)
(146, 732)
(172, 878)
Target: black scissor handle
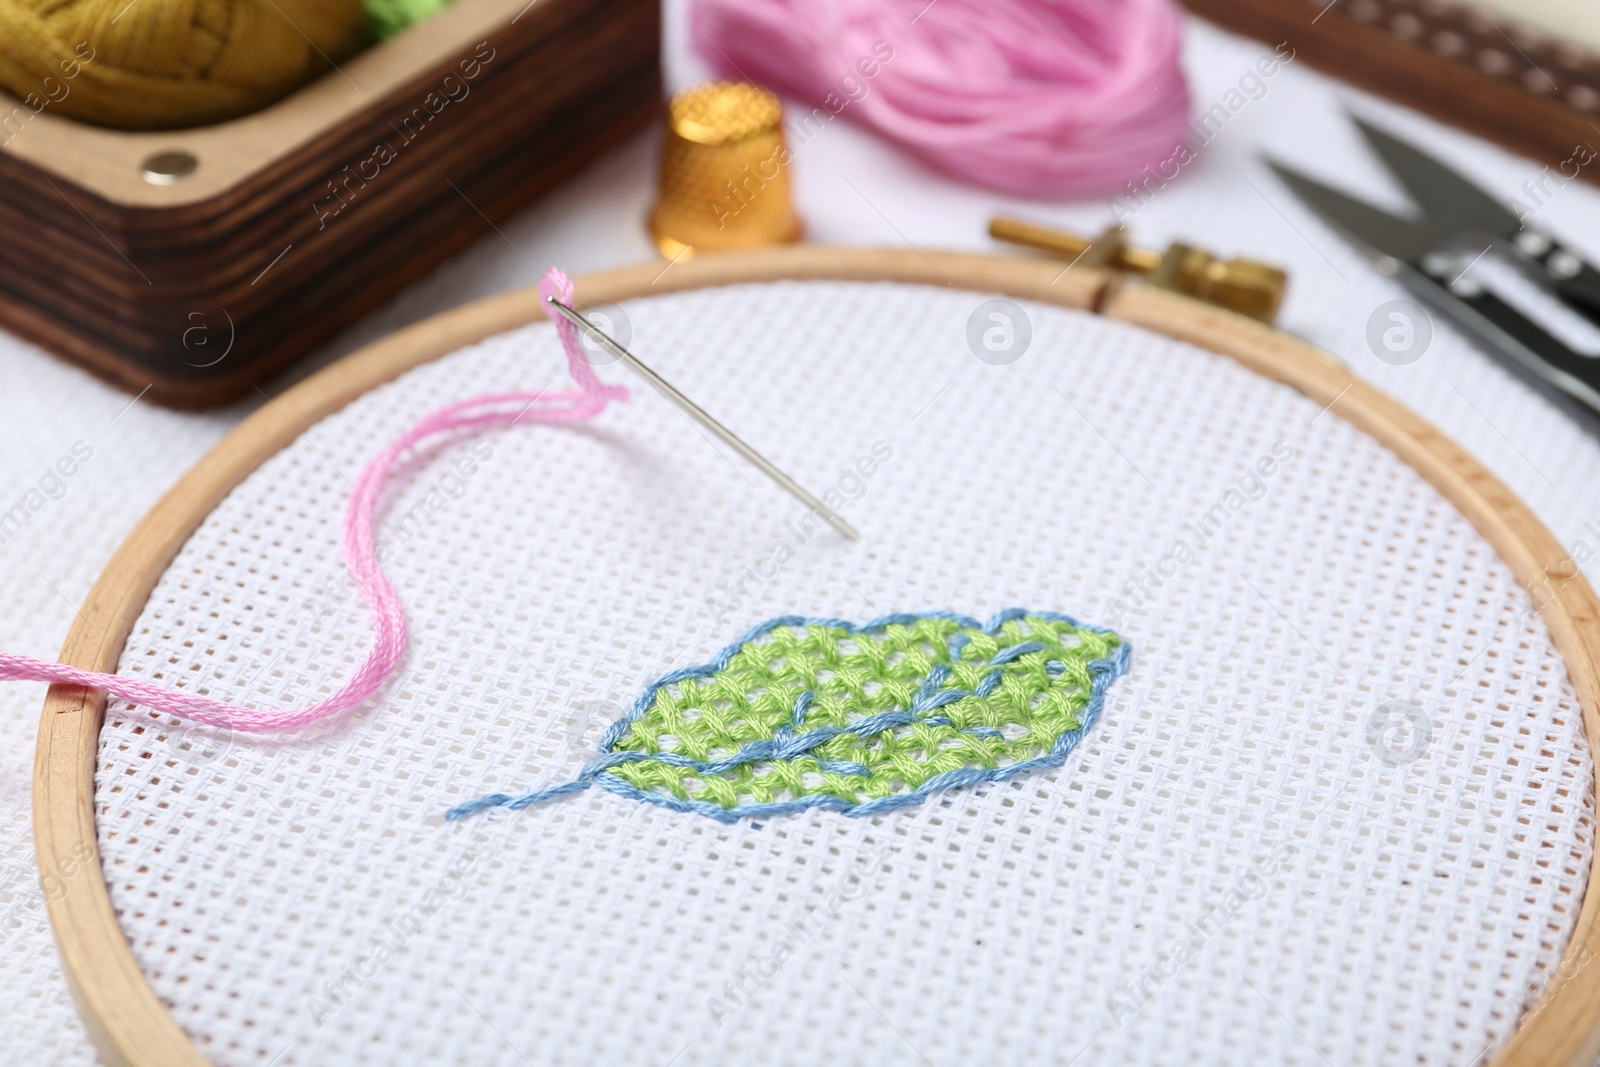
(1560, 270)
(1544, 361)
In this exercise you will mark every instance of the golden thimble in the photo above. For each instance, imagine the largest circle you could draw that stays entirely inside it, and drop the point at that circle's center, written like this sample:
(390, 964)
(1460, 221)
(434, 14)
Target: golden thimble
(724, 172)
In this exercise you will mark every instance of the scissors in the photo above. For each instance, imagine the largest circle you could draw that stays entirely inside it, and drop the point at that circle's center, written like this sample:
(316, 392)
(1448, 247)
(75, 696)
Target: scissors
(1431, 254)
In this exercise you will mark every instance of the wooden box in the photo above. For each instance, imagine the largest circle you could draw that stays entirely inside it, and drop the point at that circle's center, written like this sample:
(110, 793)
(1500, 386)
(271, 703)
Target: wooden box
(299, 218)
(1449, 58)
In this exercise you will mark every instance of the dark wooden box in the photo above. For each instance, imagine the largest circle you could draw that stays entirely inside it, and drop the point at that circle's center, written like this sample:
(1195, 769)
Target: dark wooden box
(299, 218)
(1492, 77)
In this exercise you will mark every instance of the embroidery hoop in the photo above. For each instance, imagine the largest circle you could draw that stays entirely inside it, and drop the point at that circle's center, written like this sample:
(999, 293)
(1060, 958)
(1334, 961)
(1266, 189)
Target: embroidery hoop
(126, 1019)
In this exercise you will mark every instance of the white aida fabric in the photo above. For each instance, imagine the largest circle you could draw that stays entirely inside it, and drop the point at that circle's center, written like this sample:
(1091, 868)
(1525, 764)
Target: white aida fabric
(120, 456)
(1241, 863)
(1227, 201)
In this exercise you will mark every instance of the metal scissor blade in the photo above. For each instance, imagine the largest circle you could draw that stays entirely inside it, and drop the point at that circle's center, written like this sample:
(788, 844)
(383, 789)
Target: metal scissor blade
(1454, 205)
(1376, 230)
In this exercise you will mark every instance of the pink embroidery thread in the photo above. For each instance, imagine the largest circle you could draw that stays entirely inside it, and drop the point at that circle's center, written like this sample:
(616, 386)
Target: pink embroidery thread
(1032, 97)
(360, 548)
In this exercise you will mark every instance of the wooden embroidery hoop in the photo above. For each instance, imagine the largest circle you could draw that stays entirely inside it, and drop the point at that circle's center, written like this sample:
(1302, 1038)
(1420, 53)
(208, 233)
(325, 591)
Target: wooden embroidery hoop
(127, 1021)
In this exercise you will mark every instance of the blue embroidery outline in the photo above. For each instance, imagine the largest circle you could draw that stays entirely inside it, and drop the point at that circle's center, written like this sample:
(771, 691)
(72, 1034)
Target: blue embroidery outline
(929, 696)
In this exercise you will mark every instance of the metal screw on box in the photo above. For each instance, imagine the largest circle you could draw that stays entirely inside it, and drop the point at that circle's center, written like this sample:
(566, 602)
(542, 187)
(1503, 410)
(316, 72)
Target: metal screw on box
(724, 172)
(165, 168)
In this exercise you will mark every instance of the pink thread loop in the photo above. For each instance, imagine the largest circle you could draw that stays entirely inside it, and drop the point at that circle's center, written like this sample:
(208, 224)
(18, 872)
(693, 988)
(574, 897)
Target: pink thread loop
(360, 548)
(1033, 97)
(555, 283)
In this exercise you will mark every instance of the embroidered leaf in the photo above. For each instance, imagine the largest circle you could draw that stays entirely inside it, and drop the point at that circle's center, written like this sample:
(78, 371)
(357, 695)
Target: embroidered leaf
(820, 713)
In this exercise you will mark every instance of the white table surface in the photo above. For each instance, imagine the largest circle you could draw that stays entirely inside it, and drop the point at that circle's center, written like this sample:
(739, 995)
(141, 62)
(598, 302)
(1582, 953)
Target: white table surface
(852, 189)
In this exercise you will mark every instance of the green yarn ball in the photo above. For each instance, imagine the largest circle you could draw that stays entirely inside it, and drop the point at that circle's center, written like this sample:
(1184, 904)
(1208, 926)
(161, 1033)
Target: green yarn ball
(389, 17)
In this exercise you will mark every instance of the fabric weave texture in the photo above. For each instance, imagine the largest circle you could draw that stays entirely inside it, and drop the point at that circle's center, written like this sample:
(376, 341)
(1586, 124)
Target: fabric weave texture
(298, 899)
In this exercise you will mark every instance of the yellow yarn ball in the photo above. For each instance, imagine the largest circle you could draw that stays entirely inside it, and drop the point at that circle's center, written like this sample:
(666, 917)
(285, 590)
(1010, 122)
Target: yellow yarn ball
(159, 64)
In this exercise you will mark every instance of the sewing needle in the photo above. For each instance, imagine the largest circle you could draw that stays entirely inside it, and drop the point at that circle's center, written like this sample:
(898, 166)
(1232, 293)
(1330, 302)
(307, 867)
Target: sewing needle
(692, 409)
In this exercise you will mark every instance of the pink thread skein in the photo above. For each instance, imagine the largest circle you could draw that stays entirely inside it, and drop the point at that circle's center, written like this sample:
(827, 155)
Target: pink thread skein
(360, 548)
(1043, 98)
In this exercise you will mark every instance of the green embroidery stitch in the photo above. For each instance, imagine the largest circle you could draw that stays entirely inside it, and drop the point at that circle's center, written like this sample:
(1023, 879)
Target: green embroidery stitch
(821, 713)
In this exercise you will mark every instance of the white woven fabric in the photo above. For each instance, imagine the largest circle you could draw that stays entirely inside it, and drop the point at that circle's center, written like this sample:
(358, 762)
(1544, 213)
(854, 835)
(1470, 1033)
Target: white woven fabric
(120, 455)
(1336, 904)
(1225, 201)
